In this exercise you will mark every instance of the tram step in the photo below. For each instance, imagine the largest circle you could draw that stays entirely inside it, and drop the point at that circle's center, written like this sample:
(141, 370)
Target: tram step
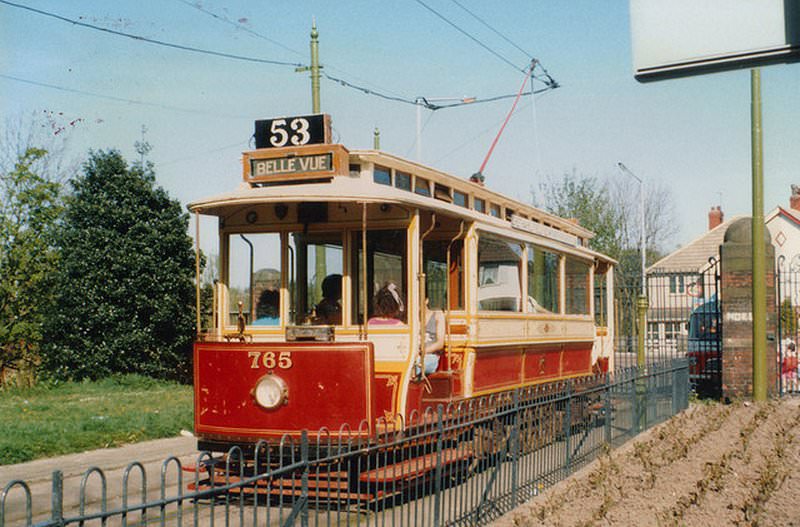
(445, 385)
(414, 467)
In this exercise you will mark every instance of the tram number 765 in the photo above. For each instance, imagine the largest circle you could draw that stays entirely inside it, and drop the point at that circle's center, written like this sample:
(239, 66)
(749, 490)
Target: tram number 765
(270, 360)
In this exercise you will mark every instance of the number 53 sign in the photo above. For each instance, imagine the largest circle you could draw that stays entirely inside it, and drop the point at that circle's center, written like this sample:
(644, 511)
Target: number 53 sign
(293, 131)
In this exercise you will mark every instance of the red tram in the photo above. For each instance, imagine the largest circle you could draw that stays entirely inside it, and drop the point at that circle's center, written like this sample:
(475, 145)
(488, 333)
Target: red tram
(301, 339)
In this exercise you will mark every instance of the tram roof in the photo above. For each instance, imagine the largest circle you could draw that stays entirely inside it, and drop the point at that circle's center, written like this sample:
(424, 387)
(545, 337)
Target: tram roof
(359, 189)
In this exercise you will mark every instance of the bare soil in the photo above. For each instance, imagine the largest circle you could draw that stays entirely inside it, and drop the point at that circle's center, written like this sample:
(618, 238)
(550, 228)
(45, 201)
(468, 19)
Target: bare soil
(712, 465)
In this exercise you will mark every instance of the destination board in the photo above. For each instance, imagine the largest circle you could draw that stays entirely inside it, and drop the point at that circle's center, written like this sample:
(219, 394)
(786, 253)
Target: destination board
(293, 131)
(314, 162)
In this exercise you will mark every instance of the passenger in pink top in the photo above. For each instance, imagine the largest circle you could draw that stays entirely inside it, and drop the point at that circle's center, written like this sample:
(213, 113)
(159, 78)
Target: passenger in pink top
(388, 307)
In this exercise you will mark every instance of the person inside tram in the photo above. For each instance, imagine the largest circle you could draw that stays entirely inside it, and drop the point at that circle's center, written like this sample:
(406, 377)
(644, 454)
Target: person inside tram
(434, 338)
(329, 310)
(388, 306)
(267, 311)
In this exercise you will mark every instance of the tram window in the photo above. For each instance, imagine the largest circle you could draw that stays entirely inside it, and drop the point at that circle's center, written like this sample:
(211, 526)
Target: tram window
(422, 186)
(543, 280)
(494, 210)
(381, 175)
(355, 170)
(254, 278)
(402, 180)
(577, 284)
(315, 283)
(480, 205)
(386, 263)
(600, 296)
(499, 264)
(434, 254)
(459, 198)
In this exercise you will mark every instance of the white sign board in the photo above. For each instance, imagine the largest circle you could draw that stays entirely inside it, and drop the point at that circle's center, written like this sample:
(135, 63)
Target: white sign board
(675, 38)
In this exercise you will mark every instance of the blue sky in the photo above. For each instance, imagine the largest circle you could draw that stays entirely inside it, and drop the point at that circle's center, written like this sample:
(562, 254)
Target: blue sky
(693, 133)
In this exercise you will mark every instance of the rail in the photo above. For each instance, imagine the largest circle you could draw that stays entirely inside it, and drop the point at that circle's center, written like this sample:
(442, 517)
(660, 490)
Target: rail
(463, 464)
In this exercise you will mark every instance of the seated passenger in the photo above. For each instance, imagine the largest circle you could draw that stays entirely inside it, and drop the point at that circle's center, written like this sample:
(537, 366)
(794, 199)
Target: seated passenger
(434, 339)
(268, 311)
(388, 306)
(329, 309)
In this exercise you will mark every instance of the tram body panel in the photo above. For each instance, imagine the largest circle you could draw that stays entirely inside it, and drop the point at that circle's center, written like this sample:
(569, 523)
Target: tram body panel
(326, 385)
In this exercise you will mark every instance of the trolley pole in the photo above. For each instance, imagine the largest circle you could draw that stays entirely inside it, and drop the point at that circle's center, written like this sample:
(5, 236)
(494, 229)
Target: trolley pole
(320, 269)
(759, 255)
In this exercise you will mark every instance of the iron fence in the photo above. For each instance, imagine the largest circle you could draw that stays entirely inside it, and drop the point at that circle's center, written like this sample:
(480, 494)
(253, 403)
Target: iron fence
(788, 300)
(463, 464)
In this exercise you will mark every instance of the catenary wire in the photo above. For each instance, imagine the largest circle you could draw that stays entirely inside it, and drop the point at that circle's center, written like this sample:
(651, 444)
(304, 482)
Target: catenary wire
(470, 36)
(241, 26)
(486, 24)
(117, 99)
(197, 5)
(152, 41)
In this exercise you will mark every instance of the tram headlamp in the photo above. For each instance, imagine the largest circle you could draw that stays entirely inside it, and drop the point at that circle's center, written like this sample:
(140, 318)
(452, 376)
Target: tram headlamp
(271, 392)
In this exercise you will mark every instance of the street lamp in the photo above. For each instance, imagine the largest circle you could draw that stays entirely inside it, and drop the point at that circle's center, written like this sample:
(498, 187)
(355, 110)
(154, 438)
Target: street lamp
(427, 102)
(641, 303)
(626, 171)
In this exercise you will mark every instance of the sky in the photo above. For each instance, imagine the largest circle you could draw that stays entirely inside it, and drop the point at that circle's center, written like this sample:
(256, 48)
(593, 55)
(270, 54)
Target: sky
(693, 134)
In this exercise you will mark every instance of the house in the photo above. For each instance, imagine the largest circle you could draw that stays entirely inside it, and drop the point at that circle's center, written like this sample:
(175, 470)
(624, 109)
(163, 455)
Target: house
(784, 228)
(680, 282)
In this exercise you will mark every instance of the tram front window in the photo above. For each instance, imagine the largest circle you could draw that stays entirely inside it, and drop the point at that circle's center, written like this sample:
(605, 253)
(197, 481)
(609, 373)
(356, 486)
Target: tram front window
(316, 280)
(386, 264)
(254, 278)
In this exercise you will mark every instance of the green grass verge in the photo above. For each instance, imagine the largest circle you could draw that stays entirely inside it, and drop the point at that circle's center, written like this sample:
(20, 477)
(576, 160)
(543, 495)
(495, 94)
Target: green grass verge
(61, 418)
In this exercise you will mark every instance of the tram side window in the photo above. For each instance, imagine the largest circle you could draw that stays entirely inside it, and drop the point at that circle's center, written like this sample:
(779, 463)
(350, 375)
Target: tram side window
(386, 264)
(254, 278)
(543, 293)
(437, 277)
(577, 284)
(600, 298)
(382, 175)
(315, 282)
(499, 265)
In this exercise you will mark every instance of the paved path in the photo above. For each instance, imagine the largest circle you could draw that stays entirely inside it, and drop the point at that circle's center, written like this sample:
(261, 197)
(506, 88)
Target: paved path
(112, 461)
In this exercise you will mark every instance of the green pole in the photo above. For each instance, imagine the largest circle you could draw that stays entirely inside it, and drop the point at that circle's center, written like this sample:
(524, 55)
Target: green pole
(376, 139)
(315, 107)
(759, 255)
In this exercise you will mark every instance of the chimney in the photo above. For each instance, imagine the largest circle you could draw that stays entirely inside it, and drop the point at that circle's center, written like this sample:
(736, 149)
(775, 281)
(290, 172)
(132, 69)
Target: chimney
(716, 216)
(794, 199)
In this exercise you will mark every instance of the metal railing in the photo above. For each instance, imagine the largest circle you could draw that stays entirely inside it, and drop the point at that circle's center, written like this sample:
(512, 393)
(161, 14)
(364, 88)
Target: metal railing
(461, 464)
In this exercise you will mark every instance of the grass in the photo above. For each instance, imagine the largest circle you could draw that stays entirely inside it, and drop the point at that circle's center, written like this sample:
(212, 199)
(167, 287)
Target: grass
(61, 418)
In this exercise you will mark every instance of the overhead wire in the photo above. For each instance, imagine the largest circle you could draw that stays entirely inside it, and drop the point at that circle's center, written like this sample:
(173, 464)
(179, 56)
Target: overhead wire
(238, 25)
(486, 24)
(470, 36)
(151, 40)
(117, 99)
(197, 5)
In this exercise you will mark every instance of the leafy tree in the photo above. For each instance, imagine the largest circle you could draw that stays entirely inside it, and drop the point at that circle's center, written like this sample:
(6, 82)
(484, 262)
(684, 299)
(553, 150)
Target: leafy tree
(124, 300)
(788, 317)
(29, 208)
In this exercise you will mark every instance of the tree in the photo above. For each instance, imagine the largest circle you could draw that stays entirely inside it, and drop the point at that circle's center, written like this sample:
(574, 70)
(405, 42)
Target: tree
(124, 298)
(29, 208)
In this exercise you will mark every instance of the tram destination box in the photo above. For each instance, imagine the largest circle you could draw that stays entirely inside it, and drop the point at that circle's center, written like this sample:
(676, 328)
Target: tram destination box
(302, 163)
(293, 131)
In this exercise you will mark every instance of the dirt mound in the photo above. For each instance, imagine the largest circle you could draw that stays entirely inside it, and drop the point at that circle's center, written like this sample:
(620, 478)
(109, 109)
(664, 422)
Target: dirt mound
(710, 465)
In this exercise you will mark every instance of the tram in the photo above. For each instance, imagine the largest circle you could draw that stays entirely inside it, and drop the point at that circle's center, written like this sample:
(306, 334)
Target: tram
(301, 338)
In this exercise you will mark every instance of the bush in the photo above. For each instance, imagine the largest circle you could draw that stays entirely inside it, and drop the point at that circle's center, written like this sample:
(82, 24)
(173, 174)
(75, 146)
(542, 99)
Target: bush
(124, 294)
